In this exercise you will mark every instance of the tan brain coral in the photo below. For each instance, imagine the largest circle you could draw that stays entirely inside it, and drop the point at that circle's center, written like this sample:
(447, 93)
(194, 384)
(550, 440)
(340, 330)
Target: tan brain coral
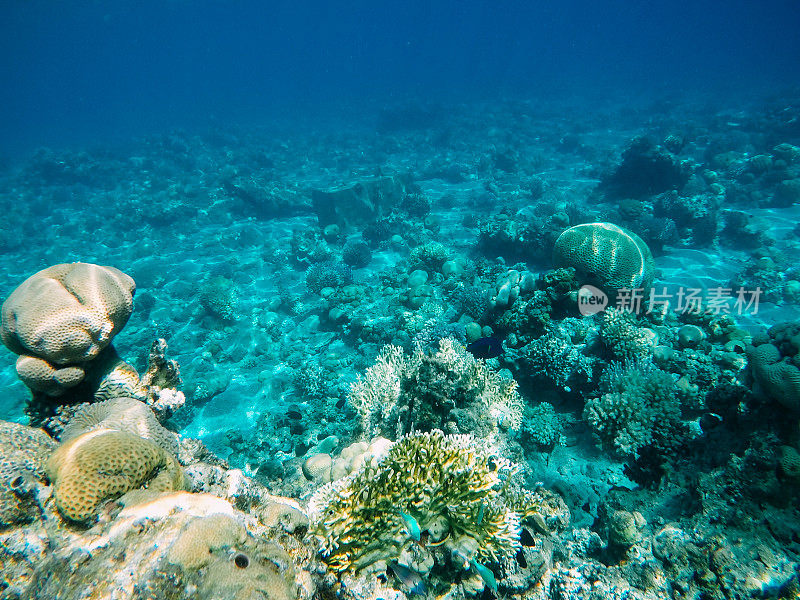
(235, 564)
(40, 376)
(67, 313)
(612, 257)
(195, 546)
(103, 464)
(121, 414)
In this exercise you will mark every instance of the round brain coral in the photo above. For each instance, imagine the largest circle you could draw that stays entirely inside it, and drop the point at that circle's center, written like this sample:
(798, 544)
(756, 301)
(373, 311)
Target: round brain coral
(121, 414)
(103, 464)
(67, 313)
(606, 255)
(40, 376)
(777, 376)
(235, 564)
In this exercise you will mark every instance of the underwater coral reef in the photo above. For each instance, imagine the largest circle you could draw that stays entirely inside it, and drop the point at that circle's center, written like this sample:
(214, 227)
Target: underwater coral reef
(493, 354)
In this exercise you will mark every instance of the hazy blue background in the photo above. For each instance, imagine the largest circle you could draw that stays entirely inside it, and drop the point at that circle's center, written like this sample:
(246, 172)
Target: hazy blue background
(76, 71)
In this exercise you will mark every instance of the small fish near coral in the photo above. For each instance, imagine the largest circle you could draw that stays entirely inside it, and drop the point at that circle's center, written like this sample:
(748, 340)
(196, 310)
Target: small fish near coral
(485, 348)
(486, 574)
(411, 525)
(409, 577)
(481, 511)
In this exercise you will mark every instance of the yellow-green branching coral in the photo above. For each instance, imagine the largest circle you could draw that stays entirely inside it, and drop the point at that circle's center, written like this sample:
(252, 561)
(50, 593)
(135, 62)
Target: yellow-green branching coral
(451, 485)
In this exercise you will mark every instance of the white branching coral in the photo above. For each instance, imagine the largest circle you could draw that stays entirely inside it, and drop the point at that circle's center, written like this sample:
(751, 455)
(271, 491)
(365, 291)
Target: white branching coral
(379, 388)
(448, 389)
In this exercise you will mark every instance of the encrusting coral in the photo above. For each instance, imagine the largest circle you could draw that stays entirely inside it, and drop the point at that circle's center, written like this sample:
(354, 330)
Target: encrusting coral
(174, 545)
(23, 453)
(449, 487)
(426, 391)
(235, 565)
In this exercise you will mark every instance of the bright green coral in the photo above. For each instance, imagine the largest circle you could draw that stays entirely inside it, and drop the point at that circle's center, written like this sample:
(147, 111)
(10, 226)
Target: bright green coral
(451, 485)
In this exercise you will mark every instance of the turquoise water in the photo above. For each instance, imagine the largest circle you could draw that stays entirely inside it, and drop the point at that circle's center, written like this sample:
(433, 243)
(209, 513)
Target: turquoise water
(295, 188)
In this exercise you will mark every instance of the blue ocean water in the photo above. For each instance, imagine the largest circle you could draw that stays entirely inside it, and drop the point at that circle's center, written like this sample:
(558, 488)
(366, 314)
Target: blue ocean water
(89, 71)
(219, 153)
(207, 86)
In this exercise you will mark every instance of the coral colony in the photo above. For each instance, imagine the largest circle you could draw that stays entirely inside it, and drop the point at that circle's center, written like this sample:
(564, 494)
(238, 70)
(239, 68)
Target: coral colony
(452, 382)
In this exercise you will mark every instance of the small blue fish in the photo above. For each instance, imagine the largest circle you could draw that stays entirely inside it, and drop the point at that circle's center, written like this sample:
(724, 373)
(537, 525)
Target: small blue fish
(409, 577)
(412, 527)
(486, 574)
(485, 347)
(479, 520)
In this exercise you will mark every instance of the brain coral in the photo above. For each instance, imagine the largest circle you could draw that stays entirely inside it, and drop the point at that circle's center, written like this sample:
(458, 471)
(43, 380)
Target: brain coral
(235, 566)
(171, 546)
(264, 571)
(103, 464)
(109, 377)
(121, 414)
(606, 255)
(67, 313)
(41, 376)
(778, 377)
